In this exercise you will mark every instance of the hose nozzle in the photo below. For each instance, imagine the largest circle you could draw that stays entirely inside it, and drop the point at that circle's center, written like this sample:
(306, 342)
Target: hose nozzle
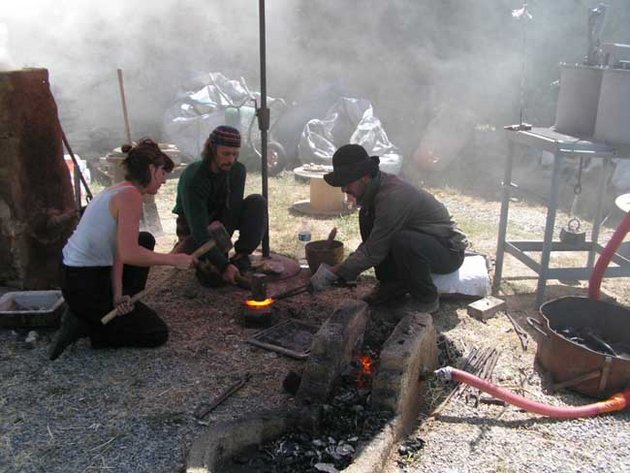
(444, 374)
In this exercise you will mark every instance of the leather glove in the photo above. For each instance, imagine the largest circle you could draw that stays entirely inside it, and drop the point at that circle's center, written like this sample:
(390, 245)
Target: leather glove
(322, 279)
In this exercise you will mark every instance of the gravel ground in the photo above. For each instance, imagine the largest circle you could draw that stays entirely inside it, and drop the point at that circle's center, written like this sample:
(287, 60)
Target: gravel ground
(463, 438)
(131, 410)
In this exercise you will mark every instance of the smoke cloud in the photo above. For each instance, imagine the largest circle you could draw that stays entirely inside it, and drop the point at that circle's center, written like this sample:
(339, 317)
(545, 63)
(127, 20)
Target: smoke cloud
(410, 58)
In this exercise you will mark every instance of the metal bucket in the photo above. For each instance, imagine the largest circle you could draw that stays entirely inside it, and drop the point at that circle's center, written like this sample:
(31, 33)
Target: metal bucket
(613, 113)
(323, 251)
(576, 110)
(600, 369)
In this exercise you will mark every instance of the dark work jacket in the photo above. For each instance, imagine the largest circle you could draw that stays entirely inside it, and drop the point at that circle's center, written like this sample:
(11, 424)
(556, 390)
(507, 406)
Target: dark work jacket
(388, 206)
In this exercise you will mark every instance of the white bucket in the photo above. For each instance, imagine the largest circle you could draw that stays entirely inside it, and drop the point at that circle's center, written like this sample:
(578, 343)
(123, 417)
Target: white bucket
(576, 110)
(613, 114)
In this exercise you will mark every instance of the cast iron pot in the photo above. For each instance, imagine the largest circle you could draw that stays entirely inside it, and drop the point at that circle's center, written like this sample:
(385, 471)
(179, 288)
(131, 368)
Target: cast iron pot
(594, 371)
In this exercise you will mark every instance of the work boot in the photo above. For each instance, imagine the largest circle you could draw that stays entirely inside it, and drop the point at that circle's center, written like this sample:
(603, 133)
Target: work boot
(242, 262)
(385, 292)
(430, 306)
(70, 331)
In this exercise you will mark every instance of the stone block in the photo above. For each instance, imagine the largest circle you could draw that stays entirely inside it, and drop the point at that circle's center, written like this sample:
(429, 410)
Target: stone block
(410, 350)
(332, 349)
(485, 308)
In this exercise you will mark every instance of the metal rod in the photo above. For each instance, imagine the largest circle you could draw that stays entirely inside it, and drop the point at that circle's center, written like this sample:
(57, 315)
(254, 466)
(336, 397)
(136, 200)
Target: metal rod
(76, 167)
(204, 409)
(291, 292)
(549, 227)
(503, 219)
(263, 122)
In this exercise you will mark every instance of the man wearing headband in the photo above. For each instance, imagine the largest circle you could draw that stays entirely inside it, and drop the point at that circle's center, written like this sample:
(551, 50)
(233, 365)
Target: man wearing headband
(407, 233)
(212, 190)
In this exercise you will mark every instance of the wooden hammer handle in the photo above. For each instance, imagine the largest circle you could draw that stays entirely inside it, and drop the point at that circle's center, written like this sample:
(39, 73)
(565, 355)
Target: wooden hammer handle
(202, 250)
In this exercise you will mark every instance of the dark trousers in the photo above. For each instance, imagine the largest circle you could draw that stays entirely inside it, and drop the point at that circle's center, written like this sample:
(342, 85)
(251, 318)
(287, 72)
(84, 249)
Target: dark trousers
(88, 292)
(250, 221)
(414, 256)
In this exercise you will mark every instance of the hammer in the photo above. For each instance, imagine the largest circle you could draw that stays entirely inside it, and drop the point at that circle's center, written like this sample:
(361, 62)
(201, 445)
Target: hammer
(224, 243)
(219, 237)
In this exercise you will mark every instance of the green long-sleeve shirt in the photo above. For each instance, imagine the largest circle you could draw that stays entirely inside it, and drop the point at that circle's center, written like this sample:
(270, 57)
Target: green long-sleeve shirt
(204, 196)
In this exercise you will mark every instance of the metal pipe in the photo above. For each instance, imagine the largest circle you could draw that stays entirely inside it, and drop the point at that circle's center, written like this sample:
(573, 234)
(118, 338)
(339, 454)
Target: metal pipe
(610, 249)
(263, 122)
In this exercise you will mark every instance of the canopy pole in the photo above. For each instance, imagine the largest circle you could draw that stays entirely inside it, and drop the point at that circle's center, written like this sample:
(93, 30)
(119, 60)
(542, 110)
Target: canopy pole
(263, 122)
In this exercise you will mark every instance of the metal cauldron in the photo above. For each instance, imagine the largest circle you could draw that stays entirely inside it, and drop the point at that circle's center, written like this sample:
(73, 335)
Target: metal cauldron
(599, 368)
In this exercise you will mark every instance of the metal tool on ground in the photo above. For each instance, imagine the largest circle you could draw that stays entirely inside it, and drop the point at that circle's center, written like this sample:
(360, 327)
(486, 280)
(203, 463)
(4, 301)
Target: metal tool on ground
(522, 334)
(291, 292)
(307, 288)
(486, 373)
(480, 362)
(204, 409)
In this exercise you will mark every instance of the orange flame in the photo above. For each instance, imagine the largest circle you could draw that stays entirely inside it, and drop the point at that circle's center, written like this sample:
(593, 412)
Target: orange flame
(367, 365)
(258, 304)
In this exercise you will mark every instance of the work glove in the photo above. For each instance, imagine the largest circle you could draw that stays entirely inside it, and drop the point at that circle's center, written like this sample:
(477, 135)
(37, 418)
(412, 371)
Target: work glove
(322, 279)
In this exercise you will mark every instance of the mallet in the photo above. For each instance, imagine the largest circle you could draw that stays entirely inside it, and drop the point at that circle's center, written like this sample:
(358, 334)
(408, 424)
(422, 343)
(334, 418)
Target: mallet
(220, 238)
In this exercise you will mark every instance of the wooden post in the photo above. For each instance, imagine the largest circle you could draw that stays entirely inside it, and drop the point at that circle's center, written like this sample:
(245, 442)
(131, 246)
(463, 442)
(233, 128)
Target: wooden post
(150, 216)
(124, 105)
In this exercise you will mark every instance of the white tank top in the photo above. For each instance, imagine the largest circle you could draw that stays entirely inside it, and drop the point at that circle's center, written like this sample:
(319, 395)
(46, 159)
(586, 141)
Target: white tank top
(93, 242)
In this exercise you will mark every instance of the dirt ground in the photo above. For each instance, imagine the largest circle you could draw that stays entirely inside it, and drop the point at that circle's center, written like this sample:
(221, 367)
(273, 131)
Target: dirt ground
(131, 410)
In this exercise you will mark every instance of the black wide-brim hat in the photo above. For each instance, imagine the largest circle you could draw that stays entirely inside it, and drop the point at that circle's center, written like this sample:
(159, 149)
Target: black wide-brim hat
(350, 162)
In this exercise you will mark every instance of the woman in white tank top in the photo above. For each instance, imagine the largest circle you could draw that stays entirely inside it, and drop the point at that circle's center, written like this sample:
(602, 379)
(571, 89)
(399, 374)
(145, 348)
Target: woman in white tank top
(107, 258)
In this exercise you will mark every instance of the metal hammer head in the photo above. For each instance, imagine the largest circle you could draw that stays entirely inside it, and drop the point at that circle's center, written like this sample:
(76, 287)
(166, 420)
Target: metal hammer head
(221, 237)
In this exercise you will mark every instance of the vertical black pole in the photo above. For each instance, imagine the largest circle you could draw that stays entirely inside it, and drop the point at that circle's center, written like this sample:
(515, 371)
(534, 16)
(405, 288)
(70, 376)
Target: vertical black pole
(263, 120)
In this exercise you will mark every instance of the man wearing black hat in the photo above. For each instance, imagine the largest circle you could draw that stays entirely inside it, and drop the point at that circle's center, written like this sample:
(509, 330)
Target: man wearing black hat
(407, 233)
(212, 190)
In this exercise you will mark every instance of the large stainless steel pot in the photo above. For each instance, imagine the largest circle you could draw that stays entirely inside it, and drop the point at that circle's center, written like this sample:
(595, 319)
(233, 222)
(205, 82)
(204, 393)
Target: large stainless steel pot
(600, 369)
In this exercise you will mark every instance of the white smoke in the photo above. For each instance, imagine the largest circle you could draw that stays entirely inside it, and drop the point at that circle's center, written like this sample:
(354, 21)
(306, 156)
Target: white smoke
(409, 58)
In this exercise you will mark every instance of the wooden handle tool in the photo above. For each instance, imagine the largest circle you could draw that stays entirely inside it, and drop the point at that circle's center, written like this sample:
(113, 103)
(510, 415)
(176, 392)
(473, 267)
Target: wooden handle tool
(202, 250)
(331, 237)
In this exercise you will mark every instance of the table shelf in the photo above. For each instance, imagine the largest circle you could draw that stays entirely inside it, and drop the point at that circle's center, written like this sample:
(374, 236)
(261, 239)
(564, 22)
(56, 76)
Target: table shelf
(562, 147)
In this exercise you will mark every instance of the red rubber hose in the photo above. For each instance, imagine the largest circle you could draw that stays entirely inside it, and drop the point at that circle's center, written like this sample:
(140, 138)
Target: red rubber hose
(601, 265)
(617, 402)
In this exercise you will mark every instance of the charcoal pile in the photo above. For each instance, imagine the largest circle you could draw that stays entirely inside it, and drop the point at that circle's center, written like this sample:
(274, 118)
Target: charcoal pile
(347, 422)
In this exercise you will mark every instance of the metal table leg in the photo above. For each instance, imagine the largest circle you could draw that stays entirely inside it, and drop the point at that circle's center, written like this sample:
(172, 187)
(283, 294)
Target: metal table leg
(549, 228)
(503, 220)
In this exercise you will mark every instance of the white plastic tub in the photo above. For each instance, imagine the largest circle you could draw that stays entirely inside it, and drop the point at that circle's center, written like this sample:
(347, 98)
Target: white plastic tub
(31, 309)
